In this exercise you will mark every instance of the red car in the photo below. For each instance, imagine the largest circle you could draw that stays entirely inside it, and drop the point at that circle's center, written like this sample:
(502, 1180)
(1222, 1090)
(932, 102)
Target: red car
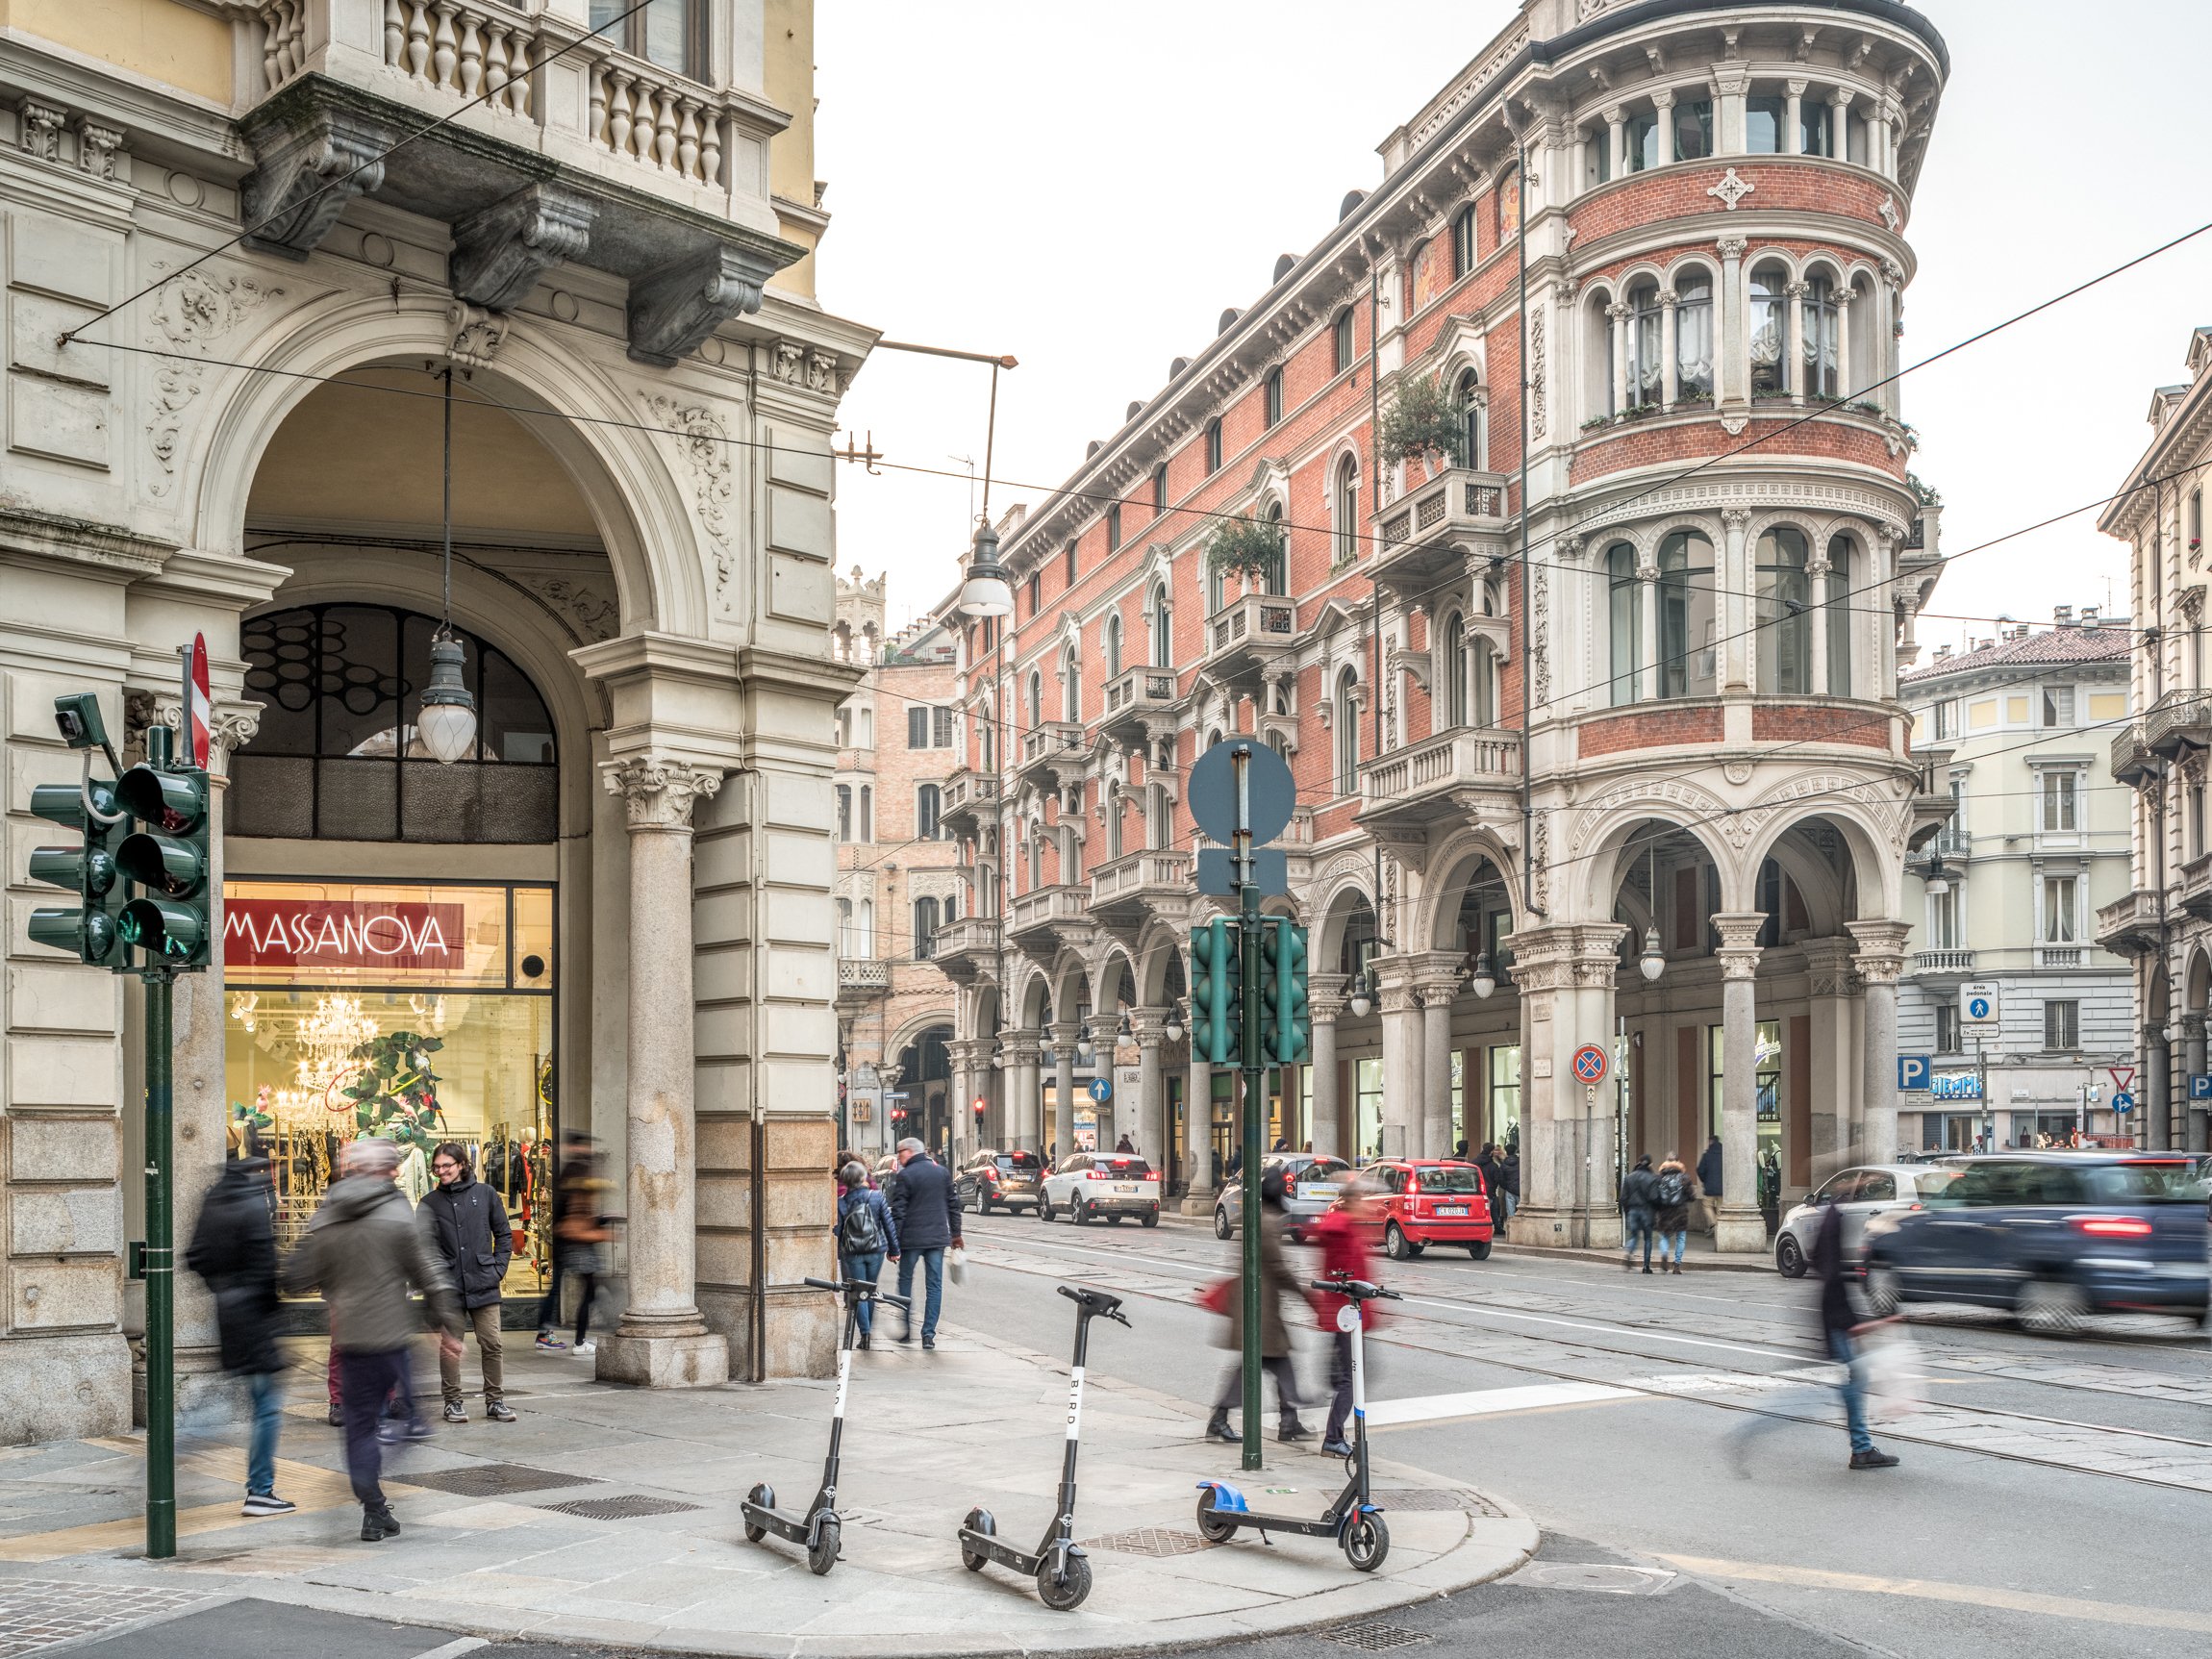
(1426, 1201)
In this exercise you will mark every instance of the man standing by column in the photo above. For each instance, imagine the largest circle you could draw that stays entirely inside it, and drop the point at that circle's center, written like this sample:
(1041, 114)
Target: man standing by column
(925, 1220)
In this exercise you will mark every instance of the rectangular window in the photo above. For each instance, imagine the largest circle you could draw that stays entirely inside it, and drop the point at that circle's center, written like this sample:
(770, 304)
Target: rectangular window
(2062, 1025)
(1946, 720)
(925, 810)
(2058, 892)
(670, 32)
(1072, 564)
(2059, 813)
(1643, 141)
(2195, 804)
(1274, 398)
(1366, 1122)
(940, 728)
(1943, 920)
(1947, 1028)
(1597, 159)
(1763, 122)
(2058, 705)
(1813, 131)
(1692, 129)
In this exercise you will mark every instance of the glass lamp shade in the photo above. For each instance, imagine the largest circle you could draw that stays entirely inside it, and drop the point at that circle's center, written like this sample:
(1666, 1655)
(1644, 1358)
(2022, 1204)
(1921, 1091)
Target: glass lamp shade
(1361, 1002)
(1173, 1031)
(447, 722)
(1485, 979)
(986, 592)
(1653, 961)
(1938, 879)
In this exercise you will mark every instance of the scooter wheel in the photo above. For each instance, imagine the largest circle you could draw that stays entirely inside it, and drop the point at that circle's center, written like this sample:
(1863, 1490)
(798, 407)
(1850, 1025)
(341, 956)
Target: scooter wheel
(978, 1521)
(1211, 1526)
(822, 1554)
(1066, 1591)
(762, 1497)
(1367, 1541)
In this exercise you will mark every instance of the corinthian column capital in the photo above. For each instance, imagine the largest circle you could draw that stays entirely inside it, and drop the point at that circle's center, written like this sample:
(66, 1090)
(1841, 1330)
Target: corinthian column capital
(659, 792)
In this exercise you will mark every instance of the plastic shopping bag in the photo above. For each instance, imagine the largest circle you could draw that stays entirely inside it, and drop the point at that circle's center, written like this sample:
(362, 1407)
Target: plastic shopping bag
(957, 1264)
(1890, 1371)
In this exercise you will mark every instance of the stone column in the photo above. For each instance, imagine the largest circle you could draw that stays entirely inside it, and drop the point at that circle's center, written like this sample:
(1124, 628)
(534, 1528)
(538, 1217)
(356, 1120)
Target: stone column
(1794, 369)
(1565, 973)
(1617, 137)
(1736, 588)
(1198, 1135)
(1817, 579)
(661, 1340)
(1738, 1227)
(1838, 124)
(2193, 1123)
(1401, 1056)
(1648, 680)
(1064, 1035)
(1439, 988)
(1838, 1090)
(1149, 1126)
(1669, 379)
(1880, 962)
(1844, 345)
(1663, 102)
(1325, 1000)
(1732, 373)
(1792, 132)
(1024, 1106)
(1617, 314)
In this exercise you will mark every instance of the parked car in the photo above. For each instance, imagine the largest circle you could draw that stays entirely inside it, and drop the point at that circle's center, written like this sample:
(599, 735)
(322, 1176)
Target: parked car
(2053, 1236)
(1311, 1184)
(1424, 1201)
(998, 1181)
(1863, 1191)
(1088, 1186)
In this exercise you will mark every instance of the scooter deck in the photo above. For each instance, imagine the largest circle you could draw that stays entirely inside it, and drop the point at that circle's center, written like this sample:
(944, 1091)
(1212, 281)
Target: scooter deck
(799, 1531)
(996, 1550)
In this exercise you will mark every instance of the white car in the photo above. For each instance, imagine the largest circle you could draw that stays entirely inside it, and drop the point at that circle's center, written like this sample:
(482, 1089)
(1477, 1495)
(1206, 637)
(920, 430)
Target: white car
(1102, 1186)
(1863, 1191)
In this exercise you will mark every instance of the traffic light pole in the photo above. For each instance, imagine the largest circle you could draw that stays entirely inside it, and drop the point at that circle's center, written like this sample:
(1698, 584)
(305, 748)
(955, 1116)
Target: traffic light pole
(160, 1274)
(1255, 1083)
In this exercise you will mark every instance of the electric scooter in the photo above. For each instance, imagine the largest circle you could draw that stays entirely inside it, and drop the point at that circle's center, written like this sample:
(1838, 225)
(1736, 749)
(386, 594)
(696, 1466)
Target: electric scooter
(1351, 1519)
(1062, 1569)
(819, 1527)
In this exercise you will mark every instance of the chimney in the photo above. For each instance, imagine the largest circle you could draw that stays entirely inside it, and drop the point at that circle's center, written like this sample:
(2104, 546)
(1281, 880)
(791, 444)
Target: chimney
(2062, 615)
(2089, 616)
(1940, 652)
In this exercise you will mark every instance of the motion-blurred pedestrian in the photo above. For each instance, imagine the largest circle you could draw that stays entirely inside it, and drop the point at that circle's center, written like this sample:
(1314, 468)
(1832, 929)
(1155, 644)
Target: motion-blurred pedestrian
(1841, 1324)
(575, 1163)
(1674, 1190)
(579, 1229)
(866, 1234)
(1509, 1179)
(1276, 1282)
(234, 1249)
(469, 1229)
(1639, 1201)
(1346, 1233)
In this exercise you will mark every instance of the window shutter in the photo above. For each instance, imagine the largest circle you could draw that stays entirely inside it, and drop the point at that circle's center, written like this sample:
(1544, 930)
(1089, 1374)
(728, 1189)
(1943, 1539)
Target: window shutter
(942, 729)
(918, 727)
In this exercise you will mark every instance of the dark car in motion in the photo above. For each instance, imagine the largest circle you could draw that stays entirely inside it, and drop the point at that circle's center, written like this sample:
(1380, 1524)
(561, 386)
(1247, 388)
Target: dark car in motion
(2053, 1236)
(999, 1181)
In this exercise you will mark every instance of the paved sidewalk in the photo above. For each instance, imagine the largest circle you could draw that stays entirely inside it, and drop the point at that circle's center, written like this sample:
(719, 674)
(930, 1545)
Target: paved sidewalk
(607, 1515)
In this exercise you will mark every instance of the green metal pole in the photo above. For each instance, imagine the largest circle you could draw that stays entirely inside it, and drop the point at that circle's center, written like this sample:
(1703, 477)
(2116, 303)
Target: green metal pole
(160, 1278)
(1255, 1067)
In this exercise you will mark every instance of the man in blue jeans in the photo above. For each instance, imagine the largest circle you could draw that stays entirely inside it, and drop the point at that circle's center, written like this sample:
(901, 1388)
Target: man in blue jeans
(925, 1222)
(234, 1249)
(1839, 1325)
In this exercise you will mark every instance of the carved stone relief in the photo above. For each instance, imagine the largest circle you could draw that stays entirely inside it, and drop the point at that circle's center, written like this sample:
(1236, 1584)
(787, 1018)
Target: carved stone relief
(706, 449)
(198, 308)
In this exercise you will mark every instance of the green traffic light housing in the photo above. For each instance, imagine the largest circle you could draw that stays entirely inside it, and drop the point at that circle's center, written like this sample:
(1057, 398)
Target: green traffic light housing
(1285, 1011)
(173, 932)
(170, 861)
(172, 867)
(87, 929)
(173, 803)
(1217, 1003)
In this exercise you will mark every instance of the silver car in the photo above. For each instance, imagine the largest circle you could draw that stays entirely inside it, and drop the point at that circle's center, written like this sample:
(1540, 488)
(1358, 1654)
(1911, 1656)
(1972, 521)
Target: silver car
(1312, 1182)
(1865, 1190)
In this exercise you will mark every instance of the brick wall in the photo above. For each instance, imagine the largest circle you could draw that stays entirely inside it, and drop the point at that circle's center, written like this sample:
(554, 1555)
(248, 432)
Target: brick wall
(1650, 728)
(1810, 723)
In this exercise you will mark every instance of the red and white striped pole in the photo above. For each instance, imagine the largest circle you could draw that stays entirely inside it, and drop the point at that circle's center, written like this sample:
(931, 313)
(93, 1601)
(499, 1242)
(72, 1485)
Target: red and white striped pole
(197, 703)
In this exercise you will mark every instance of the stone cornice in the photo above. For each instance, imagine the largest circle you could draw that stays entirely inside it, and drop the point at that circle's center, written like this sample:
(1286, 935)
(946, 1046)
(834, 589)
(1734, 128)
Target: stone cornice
(80, 546)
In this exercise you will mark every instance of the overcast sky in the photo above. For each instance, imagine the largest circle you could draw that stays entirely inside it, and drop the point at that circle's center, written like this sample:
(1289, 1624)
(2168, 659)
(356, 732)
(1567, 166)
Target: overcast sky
(1087, 187)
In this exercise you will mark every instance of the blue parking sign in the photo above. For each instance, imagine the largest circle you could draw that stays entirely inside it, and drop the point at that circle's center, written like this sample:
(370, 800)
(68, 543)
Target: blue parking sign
(1912, 1074)
(2200, 1085)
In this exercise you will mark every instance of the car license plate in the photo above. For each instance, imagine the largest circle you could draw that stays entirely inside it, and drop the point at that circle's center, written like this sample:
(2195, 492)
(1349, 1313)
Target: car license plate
(1452, 1209)
(1128, 1187)
(1317, 1190)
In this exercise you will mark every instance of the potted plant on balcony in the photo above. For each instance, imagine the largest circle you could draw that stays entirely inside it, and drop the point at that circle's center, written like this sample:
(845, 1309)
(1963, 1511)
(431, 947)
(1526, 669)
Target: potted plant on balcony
(1252, 548)
(1422, 420)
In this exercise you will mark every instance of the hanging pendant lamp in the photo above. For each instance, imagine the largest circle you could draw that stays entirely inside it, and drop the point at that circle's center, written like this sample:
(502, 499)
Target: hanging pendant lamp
(447, 722)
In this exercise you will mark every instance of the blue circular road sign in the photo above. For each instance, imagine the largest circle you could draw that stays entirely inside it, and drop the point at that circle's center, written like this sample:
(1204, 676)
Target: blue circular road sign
(1101, 1090)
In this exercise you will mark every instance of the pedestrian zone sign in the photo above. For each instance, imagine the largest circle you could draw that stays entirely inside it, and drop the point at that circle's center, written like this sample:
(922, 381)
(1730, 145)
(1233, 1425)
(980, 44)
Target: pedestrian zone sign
(1977, 1004)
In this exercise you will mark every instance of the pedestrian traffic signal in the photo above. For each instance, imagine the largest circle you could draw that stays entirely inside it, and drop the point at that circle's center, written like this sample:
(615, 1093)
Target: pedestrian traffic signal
(1286, 1025)
(87, 929)
(1217, 984)
(170, 861)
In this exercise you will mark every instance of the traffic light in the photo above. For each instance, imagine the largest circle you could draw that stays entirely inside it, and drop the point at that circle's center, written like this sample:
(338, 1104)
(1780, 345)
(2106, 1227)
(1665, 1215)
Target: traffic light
(87, 929)
(168, 861)
(1286, 1025)
(1217, 983)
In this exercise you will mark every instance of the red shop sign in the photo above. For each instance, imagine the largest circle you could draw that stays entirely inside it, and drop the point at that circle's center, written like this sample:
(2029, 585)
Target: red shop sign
(328, 934)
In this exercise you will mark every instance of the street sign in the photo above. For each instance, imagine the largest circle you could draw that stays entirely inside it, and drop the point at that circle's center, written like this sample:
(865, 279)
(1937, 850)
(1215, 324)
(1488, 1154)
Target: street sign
(1912, 1074)
(2123, 1102)
(1270, 793)
(2200, 1086)
(1590, 1064)
(1101, 1090)
(2122, 1076)
(1216, 872)
(1977, 1004)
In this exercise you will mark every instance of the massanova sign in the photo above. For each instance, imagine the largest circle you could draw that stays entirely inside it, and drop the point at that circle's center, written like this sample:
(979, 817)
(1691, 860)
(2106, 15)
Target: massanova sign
(304, 935)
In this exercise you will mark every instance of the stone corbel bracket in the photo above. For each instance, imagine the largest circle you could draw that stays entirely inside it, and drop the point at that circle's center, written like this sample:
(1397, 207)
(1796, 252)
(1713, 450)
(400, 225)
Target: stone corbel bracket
(499, 253)
(677, 307)
(313, 163)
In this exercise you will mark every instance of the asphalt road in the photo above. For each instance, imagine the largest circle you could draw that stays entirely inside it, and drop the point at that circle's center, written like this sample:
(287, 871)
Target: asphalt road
(2053, 1494)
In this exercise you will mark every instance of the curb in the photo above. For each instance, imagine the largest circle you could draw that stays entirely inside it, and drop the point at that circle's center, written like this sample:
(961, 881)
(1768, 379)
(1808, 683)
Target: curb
(1745, 1264)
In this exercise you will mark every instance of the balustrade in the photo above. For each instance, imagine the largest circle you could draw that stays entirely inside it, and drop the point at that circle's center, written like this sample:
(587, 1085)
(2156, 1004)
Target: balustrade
(475, 50)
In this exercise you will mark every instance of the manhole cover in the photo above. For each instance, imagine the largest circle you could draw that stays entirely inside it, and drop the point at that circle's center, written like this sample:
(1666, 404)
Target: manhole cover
(1433, 1498)
(1149, 1540)
(1590, 1576)
(1374, 1637)
(625, 1508)
(496, 1479)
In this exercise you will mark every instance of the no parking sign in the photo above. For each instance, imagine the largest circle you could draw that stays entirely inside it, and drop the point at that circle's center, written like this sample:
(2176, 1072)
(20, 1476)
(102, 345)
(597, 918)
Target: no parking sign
(1590, 1064)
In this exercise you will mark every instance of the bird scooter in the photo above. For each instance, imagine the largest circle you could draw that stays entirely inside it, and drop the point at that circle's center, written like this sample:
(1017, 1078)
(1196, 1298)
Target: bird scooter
(1351, 1519)
(818, 1528)
(1059, 1565)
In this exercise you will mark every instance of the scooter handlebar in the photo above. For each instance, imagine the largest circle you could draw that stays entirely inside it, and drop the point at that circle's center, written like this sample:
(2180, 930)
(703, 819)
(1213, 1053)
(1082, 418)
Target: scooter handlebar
(1358, 1289)
(841, 1289)
(1097, 1304)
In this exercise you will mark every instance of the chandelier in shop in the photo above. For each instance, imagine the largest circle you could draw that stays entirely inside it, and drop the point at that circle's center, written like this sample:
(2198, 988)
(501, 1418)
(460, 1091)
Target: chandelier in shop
(328, 1039)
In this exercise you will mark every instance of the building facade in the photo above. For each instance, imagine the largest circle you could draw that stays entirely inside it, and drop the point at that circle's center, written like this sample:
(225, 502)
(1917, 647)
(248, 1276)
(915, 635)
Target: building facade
(2017, 728)
(243, 315)
(898, 878)
(2165, 921)
(1569, 555)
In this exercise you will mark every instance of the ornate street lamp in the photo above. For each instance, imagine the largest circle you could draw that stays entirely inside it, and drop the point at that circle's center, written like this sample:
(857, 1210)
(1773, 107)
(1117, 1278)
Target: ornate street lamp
(447, 722)
(1485, 980)
(1653, 961)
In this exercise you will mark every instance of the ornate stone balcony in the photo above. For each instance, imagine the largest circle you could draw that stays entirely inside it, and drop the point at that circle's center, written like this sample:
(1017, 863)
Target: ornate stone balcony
(1137, 696)
(2130, 755)
(967, 799)
(1052, 753)
(2193, 887)
(2178, 721)
(1247, 635)
(1039, 921)
(2131, 926)
(860, 977)
(1942, 965)
(1450, 775)
(1127, 891)
(1428, 533)
(968, 947)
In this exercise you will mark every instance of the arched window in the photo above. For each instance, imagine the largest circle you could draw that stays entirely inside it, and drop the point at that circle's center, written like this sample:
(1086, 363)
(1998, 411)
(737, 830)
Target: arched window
(1451, 669)
(1625, 594)
(928, 801)
(1341, 335)
(1482, 676)
(1693, 335)
(1036, 857)
(1036, 698)
(1212, 447)
(1113, 527)
(1646, 361)
(1785, 623)
(1070, 686)
(1217, 587)
(1346, 501)
(1163, 631)
(1347, 734)
(1114, 807)
(1843, 556)
(1275, 397)
(1768, 326)
(1468, 399)
(1463, 243)
(1277, 579)
(1071, 856)
(989, 744)
(1160, 827)
(1824, 339)
(1113, 646)
(845, 812)
(924, 929)
(1688, 666)
(867, 813)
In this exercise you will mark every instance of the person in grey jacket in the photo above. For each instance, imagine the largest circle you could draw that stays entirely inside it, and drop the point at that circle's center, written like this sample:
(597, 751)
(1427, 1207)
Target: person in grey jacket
(475, 1241)
(364, 1250)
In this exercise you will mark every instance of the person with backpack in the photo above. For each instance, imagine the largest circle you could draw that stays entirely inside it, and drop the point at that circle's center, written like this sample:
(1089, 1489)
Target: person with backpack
(1639, 1203)
(1675, 1192)
(866, 1234)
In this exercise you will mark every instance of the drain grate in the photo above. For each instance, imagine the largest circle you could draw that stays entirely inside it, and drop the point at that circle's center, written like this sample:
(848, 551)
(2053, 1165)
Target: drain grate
(1372, 1636)
(1154, 1540)
(628, 1507)
(496, 1479)
(1459, 1499)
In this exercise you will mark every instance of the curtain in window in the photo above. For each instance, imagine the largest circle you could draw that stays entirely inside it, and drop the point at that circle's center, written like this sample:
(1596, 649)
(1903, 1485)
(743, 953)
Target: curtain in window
(1688, 664)
(1769, 334)
(1694, 338)
(1646, 361)
(1784, 620)
(1822, 338)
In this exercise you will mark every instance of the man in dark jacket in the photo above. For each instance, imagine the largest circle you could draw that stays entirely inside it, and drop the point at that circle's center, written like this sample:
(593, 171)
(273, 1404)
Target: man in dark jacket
(925, 1218)
(364, 1250)
(469, 1228)
(234, 1249)
(1639, 1201)
(1839, 1323)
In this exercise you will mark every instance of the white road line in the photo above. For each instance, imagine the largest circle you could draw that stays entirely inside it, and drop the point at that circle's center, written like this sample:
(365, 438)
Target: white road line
(1485, 1402)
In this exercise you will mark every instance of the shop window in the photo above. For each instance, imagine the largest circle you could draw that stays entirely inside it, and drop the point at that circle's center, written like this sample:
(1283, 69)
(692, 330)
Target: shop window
(1764, 120)
(338, 756)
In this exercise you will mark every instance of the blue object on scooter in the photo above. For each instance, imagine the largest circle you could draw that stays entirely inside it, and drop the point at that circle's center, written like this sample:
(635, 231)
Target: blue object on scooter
(1226, 1497)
